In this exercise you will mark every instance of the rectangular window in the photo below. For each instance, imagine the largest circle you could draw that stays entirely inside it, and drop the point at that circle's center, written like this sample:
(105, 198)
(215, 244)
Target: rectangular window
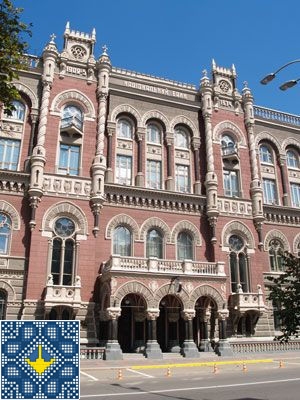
(9, 154)
(182, 178)
(295, 190)
(69, 160)
(123, 170)
(269, 188)
(153, 174)
(231, 183)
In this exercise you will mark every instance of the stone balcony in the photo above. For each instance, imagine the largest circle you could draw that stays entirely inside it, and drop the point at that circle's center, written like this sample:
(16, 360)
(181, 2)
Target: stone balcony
(242, 301)
(154, 265)
(60, 295)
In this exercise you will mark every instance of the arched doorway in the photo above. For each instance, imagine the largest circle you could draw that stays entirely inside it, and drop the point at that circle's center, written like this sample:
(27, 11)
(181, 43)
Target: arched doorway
(170, 325)
(205, 327)
(131, 324)
(61, 313)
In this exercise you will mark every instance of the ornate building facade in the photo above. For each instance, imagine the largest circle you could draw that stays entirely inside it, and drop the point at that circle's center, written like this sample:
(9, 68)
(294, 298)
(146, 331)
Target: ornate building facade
(151, 210)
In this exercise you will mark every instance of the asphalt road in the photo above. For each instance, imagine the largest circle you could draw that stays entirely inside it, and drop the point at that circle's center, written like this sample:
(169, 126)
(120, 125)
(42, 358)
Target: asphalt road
(259, 381)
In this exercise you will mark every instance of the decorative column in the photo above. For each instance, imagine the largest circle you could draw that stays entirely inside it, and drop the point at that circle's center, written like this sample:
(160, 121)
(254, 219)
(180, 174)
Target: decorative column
(256, 191)
(99, 162)
(205, 343)
(189, 348)
(38, 158)
(284, 179)
(153, 349)
(224, 348)
(140, 178)
(196, 147)
(211, 180)
(113, 350)
(34, 119)
(170, 170)
(111, 129)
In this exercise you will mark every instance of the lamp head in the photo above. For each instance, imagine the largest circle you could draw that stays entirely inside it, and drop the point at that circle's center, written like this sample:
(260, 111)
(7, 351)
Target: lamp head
(267, 79)
(288, 84)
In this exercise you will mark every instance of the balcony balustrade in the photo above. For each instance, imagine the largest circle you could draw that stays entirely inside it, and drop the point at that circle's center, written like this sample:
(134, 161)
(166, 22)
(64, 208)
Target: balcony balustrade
(61, 295)
(72, 125)
(158, 266)
(243, 301)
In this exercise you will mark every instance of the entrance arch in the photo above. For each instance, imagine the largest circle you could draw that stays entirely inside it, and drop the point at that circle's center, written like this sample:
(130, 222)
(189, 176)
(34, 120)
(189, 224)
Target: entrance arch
(204, 324)
(131, 324)
(170, 325)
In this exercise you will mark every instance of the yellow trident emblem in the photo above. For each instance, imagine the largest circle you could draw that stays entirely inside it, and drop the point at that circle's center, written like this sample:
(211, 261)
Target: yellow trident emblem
(40, 365)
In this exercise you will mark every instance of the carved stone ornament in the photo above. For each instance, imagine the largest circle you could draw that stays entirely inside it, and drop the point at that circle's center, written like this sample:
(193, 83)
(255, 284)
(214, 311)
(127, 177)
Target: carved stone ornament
(113, 312)
(153, 285)
(152, 313)
(188, 315)
(224, 86)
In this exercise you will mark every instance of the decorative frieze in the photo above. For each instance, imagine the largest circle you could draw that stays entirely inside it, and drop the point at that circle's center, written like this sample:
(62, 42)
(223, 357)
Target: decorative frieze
(14, 182)
(11, 129)
(69, 186)
(278, 215)
(235, 207)
(124, 144)
(151, 149)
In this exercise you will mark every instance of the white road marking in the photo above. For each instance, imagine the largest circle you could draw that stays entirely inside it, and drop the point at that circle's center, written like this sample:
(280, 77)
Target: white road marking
(89, 376)
(140, 373)
(189, 388)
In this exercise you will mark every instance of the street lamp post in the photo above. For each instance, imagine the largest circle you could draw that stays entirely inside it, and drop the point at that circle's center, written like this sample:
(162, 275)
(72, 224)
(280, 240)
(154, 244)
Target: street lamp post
(286, 85)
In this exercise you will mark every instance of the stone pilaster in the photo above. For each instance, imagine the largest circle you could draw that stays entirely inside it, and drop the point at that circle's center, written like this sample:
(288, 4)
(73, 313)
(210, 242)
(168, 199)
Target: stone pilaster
(284, 179)
(140, 177)
(189, 348)
(196, 149)
(113, 350)
(170, 157)
(153, 349)
(224, 348)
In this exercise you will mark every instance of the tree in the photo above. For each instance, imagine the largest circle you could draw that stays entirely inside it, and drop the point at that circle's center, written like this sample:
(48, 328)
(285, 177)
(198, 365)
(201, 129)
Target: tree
(285, 294)
(12, 49)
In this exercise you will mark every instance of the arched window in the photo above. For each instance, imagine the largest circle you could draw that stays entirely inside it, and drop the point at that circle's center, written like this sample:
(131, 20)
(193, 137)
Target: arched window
(63, 252)
(5, 233)
(181, 138)
(124, 129)
(154, 244)
(153, 134)
(3, 303)
(19, 112)
(228, 145)
(275, 255)
(184, 246)
(239, 269)
(292, 160)
(72, 115)
(122, 241)
(265, 154)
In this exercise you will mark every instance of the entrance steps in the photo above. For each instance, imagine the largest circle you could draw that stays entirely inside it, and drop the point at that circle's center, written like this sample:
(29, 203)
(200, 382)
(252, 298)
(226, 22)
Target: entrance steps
(168, 356)
(133, 356)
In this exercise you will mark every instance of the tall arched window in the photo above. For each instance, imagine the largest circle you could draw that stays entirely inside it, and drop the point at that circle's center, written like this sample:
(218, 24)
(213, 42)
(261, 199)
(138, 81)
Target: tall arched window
(265, 154)
(3, 303)
(124, 129)
(5, 233)
(292, 159)
(19, 112)
(122, 241)
(275, 255)
(239, 269)
(63, 252)
(228, 145)
(154, 244)
(268, 178)
(153, 134)
(72, 115)
(184, 246)
(181, 138)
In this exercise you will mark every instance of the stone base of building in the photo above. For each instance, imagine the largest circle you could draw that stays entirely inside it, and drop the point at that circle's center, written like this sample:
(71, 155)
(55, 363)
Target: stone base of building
(189, 349)
(113, 351)
(224, 348)
(205, 346)
(153, 350)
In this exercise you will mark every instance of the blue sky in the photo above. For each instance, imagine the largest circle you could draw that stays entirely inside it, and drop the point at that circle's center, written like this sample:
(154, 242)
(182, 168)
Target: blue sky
(177, 39)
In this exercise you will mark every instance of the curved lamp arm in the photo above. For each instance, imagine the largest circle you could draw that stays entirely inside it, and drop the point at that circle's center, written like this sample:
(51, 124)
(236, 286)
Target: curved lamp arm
(268, 78)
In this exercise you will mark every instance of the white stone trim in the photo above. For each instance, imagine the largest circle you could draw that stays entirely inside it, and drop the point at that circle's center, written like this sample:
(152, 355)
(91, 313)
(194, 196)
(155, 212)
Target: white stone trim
(13, 214)
(266, 136)
(128, 109)
(238, 228)
(74, 96)
(188, 227)
(155, 222)
(275, 234)
(21, 87)
(290, 141)
(296, 244)
(183, 120)
(231, 128)
(122, 219)
(156, 115)
(207, 291)
(133, 287)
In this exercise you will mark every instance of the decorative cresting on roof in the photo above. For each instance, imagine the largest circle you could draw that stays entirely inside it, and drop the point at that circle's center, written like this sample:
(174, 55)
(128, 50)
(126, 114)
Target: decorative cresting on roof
(237, 228)
(275, 234)
(167, 290)
(231, 128)
(155, 222)
(182, 120)
(155, 114)
(290, 141)
(128, 109)
(73, 96)
(296, 244)
(133, 287)
(65, 209)
(267, 136)
(12, 212)
(28, 92)
(186, 226)
(122, 219)
(11, 294)
(206, 291)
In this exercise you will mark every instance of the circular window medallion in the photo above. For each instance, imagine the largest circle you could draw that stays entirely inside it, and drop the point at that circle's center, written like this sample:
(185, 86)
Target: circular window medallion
(224, 86)
(78, 52)
(235, 243)
(64, 227)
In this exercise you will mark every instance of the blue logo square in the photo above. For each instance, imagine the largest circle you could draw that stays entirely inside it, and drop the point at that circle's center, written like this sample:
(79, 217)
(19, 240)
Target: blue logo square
(39, 359)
